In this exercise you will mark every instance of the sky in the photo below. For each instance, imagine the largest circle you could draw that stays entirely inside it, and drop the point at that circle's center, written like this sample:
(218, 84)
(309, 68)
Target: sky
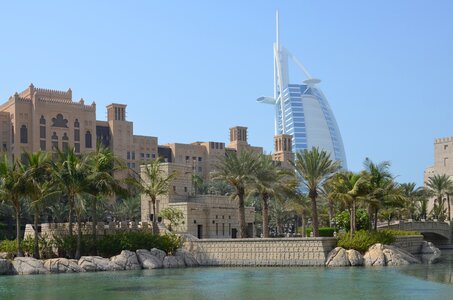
(190, 70)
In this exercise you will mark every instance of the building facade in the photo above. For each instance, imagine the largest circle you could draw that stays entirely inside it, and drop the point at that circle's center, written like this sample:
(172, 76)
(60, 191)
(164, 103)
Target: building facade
(443, 164)
(302, 110)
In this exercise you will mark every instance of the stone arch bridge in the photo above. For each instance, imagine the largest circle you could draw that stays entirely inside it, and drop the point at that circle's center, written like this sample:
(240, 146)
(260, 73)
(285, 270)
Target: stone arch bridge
(439, 233)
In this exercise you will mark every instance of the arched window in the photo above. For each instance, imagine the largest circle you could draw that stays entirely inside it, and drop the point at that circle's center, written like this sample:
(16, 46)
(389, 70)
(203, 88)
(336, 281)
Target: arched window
(24, 134)
(76, 123)
(65, 139)
(54, 141)
(42, 121)
(88, 139)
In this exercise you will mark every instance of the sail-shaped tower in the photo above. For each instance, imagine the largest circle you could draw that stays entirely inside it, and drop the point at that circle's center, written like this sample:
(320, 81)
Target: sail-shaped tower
(301, 109)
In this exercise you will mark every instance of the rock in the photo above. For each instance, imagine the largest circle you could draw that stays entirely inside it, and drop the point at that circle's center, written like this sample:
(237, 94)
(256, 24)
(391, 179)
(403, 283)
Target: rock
(147, 260)
(174, 262)
(374, 256)
(127, 260)
(28, 266)
(354, 257)
(5, 255)
(97, 263)
(6, 267)
(62, 265)
(337, 258)
(429, 253)
(158, 253)
(188, 258)
(395, 256)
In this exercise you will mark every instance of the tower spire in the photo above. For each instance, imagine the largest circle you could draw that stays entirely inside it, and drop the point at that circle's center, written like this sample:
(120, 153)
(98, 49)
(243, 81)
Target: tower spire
(277, 33)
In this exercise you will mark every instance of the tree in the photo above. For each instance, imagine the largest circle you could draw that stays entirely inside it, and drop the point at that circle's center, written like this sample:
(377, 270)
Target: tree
(413, 196)
(314, 167)
(300, 204)
(269, 181)
(349, 188)
(101, 181)
(238, 169)
(71, 174)
(174, 215)
(439, 186)
(13, 190)
(40, 187)
(384, 191)
(155, 182)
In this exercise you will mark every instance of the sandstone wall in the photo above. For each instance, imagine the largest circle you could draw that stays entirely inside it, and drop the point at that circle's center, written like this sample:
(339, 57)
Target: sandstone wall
(262, 252)
(410, 243)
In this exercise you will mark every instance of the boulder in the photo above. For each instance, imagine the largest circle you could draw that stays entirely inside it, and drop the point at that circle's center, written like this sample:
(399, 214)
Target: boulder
(127, 260)
(337, 258)
(429, 253)
(174, 262)
(97, 264)
(147, 260)
(5, 255)
(62, 265)
(374, 256)
(158, 253)
(28, 266)
(395, 256)
(188, 258)
(354, 257)
(6, 267)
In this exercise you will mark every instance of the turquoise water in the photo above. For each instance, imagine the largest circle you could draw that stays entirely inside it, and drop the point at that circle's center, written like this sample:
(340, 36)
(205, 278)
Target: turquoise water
(413, 282)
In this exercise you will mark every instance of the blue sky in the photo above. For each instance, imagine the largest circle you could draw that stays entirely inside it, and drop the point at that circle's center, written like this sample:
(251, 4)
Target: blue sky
(189, 70)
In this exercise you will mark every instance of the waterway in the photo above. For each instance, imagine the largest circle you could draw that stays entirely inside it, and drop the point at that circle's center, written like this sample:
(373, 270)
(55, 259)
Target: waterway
(411, 282)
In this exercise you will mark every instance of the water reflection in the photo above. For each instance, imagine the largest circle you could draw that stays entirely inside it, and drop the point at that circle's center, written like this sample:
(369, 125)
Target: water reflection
(439, 272)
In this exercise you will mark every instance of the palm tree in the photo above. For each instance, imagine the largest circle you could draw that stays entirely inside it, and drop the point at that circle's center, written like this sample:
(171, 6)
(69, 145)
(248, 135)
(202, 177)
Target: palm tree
(269, 181)
(238, 169)
(40, 187)
(13, 190)
(315, 167)
(349, 187)
(153, 183)
(102, 183)
(439, 186)
(300, 204)
(412, 195)
(71, 173)
(384, 191)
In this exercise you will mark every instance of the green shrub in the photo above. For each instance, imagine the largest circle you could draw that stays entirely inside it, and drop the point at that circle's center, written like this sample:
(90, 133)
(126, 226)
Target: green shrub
(8, 246)
(396, 232)
(362, 220)
(113, 244)
(362, 240)
(45, 247)
(323, 231)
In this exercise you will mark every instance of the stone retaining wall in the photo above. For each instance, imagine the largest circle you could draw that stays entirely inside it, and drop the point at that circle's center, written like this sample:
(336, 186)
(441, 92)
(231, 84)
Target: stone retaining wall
(410, 243)
(262, 252)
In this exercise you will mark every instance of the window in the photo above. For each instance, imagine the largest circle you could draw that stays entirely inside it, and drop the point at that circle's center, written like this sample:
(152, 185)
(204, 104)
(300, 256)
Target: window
(42, 121)
(24, 134)
(77, 135)
(200, 169)
(187, 157)
(60, 121)
(174, 188)
(142, 155)
(77, 148)
(128, 156)
(147, 155)
(445, 161)
(12, 135)
(445, 147)
(133, 155)
(65, 142)
(76, 123)
(223, 228)
(200, 158)
(153, 155)
(185, 189)
(216, 228)
(88, 143)
(133, 165)
(42, 132)
(42, 145)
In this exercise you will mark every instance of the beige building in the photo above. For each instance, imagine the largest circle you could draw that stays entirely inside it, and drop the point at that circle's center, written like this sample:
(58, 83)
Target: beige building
(43, 119)
(443, 162)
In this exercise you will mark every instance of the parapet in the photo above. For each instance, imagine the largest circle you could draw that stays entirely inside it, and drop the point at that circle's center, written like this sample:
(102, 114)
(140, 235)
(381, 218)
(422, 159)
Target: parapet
(443, 140)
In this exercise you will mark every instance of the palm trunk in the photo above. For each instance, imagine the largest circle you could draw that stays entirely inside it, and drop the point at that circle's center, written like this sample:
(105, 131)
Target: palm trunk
(370, 217)
(155, 229)
(353, 216)
(448, 204)
(331, 212)
(71, 205)
(242, 227)
(265, 216)
(95, 224)
(79, 236)
(304, 229)
(314, 215)
(19, 249)
(375, 218)
(36, 241)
